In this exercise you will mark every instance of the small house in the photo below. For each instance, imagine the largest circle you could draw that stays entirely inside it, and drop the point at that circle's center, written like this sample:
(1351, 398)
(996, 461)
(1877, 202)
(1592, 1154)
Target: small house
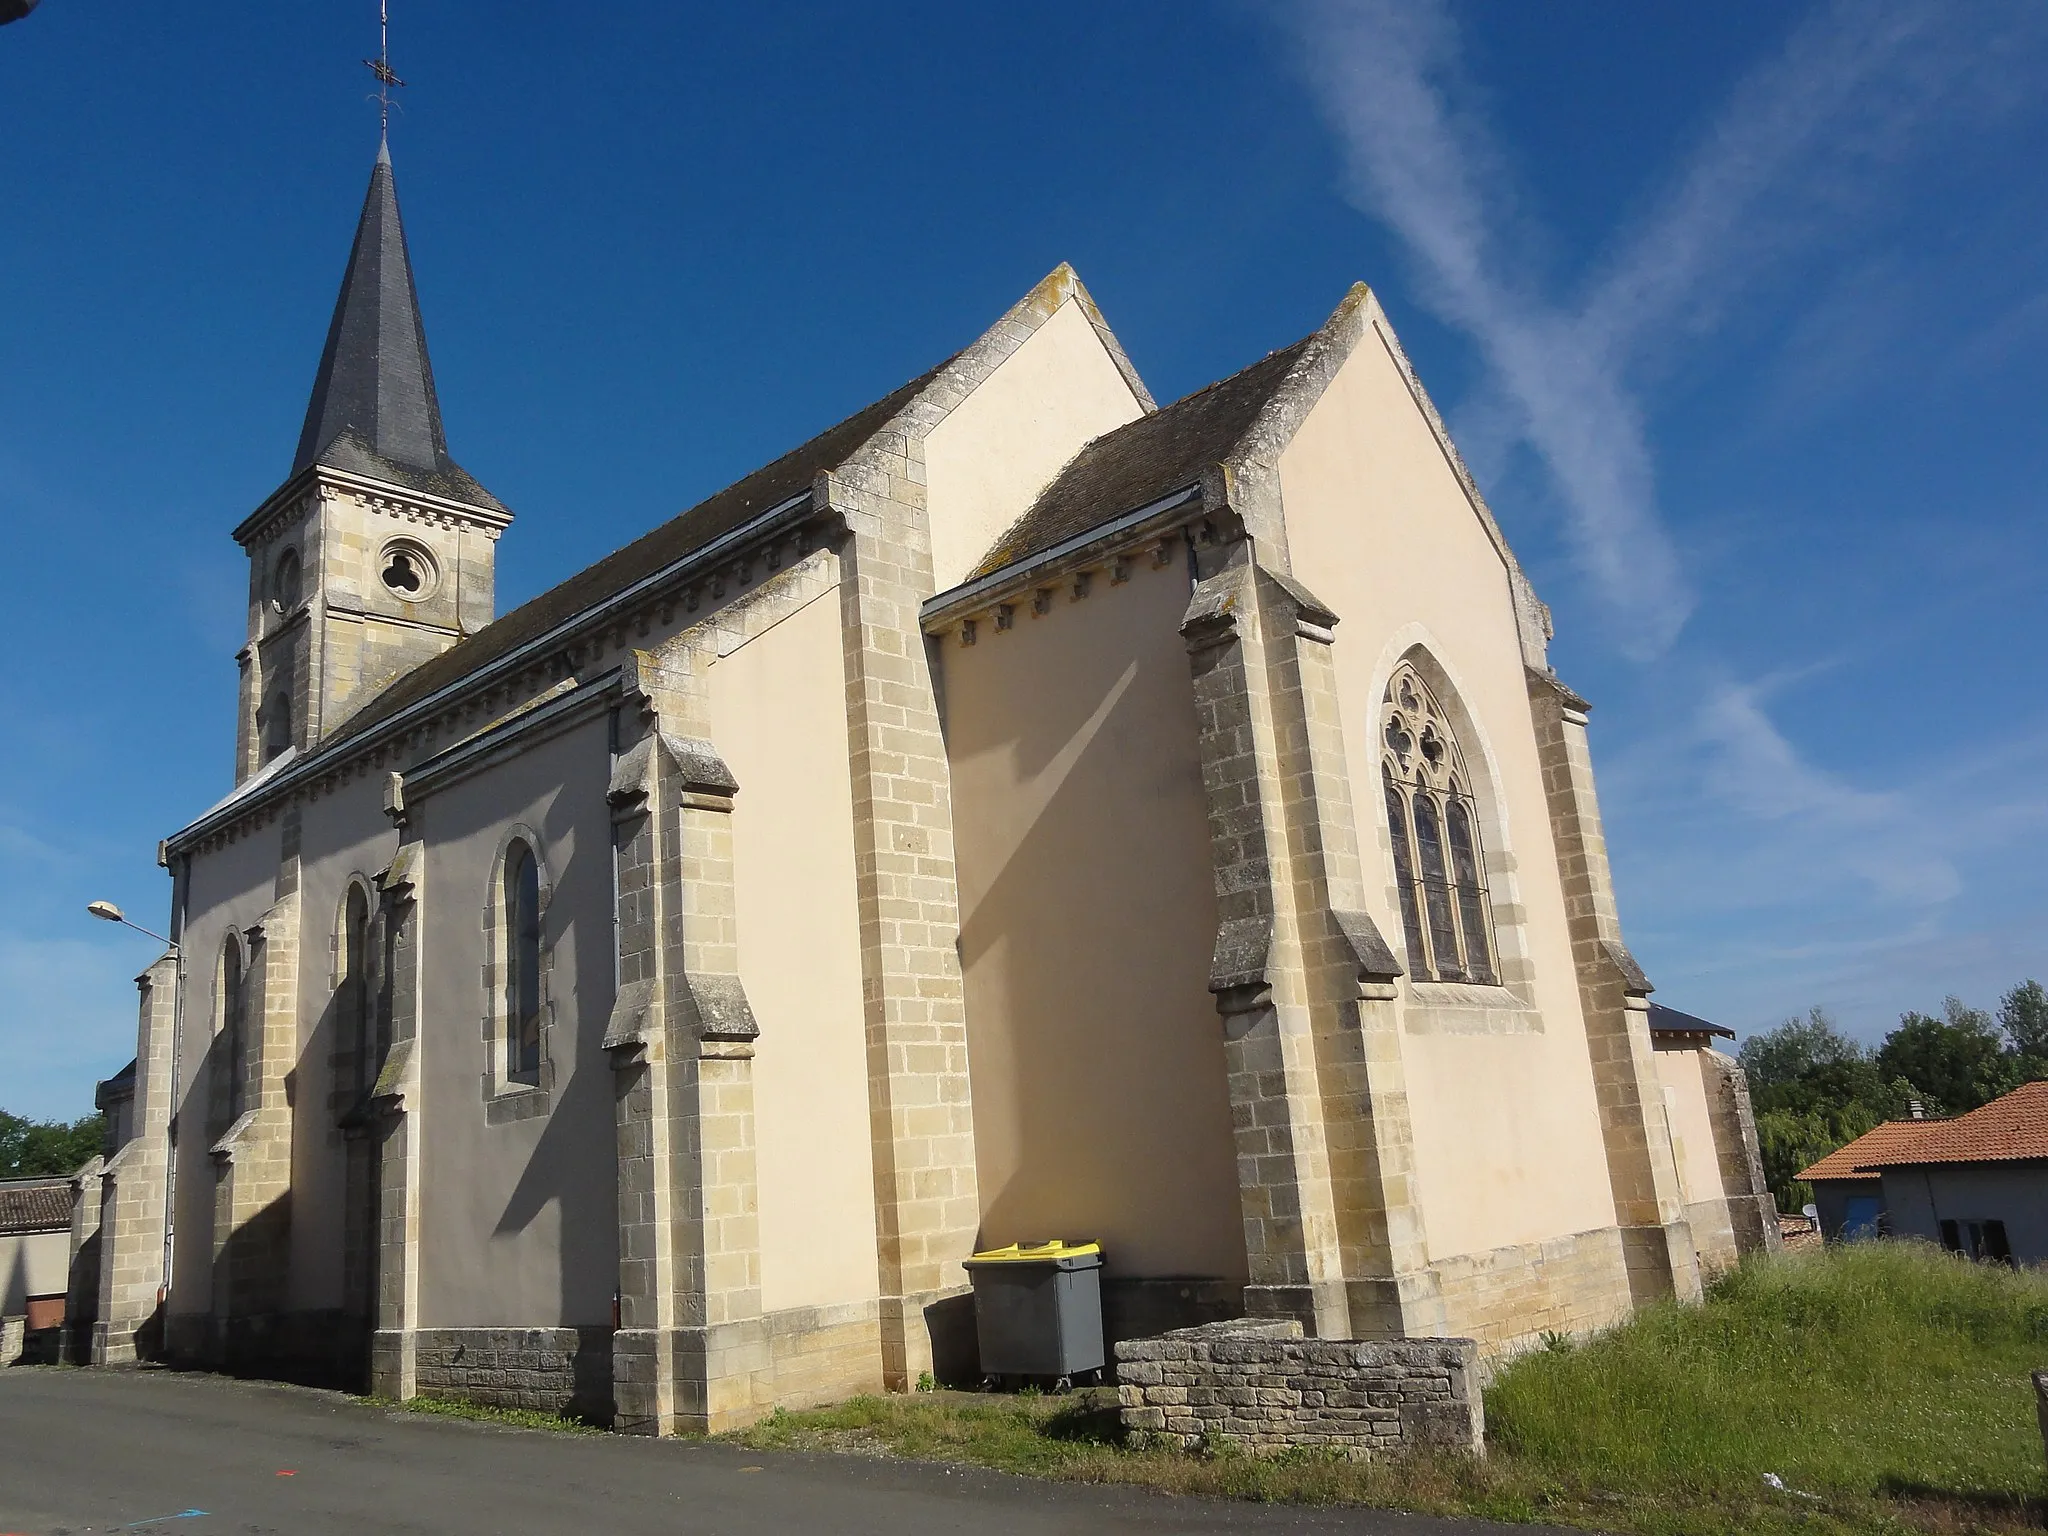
(1977, 1184)
(35, 1259)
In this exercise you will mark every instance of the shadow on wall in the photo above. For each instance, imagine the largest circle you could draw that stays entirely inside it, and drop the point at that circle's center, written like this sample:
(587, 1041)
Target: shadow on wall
(1119, 1114)
(582, 1114)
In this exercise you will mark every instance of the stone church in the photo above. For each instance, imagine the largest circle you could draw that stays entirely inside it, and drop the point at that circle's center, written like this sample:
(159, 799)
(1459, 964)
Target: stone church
(1021, 811)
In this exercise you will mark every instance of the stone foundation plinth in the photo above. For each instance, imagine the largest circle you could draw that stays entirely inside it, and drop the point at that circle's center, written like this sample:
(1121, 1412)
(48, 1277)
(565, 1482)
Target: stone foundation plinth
(1265, 1388)
(566, 1371)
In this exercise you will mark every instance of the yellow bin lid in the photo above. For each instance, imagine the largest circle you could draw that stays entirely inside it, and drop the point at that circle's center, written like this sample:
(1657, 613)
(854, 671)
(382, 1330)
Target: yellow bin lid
(1036, 1253)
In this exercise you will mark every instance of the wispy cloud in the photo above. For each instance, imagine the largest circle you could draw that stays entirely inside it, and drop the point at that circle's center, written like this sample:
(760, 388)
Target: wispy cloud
(1383, 73)
(1785, 190)
(1749, 765)
(1800, 146)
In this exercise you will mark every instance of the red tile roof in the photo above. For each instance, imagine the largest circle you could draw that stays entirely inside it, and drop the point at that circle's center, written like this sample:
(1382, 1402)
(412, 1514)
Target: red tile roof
(39, 1207)
(2011, 1129)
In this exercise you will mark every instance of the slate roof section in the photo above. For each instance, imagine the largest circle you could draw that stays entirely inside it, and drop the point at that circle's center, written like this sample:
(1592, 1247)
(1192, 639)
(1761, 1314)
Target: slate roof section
(1143, 460)
(2012, 1129)
(43, 1205)
(1671, 1022)
(113, 1089)
(787, 477)
(374, 410)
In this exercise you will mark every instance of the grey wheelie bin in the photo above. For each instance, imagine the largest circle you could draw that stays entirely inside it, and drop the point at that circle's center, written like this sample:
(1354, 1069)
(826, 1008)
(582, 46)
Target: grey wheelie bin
(1038, 1312)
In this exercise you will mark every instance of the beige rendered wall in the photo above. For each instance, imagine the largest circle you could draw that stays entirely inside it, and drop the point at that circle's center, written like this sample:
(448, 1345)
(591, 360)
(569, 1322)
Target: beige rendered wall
(1692, 1127)
(989, 459)
(1101, 1108)
(778, 711)
(519, 1220)
(1507, 1131)
(231, 887)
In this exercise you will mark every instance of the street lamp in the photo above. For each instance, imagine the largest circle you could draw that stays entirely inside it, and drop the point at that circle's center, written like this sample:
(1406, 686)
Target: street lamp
(107, 912)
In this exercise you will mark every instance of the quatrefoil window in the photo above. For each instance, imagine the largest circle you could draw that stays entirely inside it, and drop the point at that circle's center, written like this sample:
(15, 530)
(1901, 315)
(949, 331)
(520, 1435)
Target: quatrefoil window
(1438, 863)
(408, 571)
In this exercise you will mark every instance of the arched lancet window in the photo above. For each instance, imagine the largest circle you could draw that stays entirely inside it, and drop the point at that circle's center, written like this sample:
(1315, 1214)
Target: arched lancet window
(521, 908)
(1437, 858)
(358, 1000)
(277, 729)
(233, 1029)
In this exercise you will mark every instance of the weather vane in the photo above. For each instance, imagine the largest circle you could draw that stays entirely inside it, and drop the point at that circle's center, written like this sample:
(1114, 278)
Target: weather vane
(381, 67)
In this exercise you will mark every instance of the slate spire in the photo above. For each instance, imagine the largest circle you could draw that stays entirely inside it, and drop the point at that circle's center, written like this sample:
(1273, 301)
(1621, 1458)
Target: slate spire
(374, 409)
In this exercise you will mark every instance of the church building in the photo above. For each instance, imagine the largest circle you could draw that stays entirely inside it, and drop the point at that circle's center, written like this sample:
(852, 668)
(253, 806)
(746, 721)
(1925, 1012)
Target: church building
(1021, 811)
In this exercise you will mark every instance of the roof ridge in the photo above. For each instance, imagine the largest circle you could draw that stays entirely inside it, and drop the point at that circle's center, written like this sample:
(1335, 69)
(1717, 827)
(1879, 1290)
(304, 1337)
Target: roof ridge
(664, 543)
(1109, 476)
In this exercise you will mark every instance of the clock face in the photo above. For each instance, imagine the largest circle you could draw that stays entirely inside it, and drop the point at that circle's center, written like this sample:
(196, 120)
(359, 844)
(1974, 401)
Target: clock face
(408, 571)
(286, 582)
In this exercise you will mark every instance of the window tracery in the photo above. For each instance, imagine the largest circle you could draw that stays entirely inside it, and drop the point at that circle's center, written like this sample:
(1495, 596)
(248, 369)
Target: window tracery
(1438, 863)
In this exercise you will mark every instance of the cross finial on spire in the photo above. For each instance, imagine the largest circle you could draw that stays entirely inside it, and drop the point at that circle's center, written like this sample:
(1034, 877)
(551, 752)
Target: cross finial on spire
(381, 68)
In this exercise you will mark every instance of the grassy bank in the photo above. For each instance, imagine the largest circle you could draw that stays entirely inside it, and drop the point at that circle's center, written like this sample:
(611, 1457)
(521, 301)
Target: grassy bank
(1885, 1386)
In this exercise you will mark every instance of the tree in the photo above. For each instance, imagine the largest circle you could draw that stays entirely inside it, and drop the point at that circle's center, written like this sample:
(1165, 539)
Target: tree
(1794, 1050)
(2023, 1015)
(32, 1147)
(1813, 1089)
(1958, 1062)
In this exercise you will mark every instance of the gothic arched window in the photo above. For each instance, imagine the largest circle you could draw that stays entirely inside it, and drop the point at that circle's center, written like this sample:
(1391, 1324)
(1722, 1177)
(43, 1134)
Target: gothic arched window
(358, 1002)
(233, 1059)
(1437, 859)
(521, 909)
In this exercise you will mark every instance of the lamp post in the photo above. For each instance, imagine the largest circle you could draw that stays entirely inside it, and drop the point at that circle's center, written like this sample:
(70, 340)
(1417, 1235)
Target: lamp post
(107, 912)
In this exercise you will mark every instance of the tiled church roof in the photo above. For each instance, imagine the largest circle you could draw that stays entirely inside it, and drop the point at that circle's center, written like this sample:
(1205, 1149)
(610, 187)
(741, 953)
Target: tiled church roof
(1144, 460)
(788, 476)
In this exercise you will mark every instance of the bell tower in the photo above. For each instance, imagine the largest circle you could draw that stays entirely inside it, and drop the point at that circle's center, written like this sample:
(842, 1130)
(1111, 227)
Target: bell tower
(377, 551)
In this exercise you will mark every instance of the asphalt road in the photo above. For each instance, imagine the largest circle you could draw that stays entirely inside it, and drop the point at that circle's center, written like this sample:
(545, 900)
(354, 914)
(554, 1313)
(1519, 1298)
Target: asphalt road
(168, 1454)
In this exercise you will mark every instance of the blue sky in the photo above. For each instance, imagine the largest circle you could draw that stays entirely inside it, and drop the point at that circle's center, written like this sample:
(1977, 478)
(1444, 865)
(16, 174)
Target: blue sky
(1740, 313)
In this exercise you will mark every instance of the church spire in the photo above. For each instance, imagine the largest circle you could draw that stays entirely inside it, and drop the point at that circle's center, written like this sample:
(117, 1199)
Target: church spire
(374, 410)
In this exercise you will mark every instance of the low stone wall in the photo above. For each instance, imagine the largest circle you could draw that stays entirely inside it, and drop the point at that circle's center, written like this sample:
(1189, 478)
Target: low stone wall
(551, 1370)
(1262, 1386)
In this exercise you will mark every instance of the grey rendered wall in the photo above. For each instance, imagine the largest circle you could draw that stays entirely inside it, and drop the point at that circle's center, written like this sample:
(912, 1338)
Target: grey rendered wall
(1832, 1198)
(32, 1264)
(519, 1218)
(232, 886)
(1918, 1200)
(345, 836)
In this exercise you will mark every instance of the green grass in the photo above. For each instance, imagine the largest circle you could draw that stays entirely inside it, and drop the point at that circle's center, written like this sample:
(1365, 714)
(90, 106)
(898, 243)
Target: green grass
(1885, 1385)
(484, 1413)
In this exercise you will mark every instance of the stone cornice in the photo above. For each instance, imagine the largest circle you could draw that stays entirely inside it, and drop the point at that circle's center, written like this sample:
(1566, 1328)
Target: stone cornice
(1152, 527)
(294, 499)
